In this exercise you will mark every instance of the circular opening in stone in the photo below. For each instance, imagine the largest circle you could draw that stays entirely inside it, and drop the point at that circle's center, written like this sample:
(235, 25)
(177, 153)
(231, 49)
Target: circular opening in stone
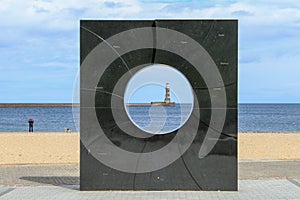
(158, 99)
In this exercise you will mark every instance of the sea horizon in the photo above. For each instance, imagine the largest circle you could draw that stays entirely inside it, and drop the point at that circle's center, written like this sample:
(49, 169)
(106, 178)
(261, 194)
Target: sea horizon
(55, 117)
(7, 105)
(70, 103)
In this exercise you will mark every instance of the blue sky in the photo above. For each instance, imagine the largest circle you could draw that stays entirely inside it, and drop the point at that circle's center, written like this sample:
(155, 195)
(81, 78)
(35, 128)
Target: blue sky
(149, 83)
(39, 43)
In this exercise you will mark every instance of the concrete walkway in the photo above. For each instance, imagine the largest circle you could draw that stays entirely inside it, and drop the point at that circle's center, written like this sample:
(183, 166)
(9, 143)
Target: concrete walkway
(257, 180)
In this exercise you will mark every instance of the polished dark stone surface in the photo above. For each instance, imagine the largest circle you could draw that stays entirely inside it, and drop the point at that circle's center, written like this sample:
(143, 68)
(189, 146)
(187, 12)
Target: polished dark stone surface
(215, 171)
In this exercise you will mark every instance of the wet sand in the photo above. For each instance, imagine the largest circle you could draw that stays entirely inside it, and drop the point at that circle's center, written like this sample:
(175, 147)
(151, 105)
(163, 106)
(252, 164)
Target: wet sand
(63, 148)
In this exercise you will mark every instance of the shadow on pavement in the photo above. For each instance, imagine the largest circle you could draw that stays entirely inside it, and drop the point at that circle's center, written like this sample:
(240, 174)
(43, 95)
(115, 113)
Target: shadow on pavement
(62, 181)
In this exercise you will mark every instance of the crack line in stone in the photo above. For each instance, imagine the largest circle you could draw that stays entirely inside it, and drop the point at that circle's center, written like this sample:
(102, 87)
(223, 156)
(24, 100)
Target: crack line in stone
(210, 29)
(109, 46)
(102, 91)
(205, 88)
(188, 170)
(225, 134)
(154, 42)
(99, 107)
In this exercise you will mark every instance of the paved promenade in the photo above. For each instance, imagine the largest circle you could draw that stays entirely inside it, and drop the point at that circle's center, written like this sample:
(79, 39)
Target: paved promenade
(257, 180)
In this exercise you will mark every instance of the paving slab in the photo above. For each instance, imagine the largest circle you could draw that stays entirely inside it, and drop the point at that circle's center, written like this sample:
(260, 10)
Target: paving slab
(269, 169)
(257, 180)
(248, 189)
(26, 175)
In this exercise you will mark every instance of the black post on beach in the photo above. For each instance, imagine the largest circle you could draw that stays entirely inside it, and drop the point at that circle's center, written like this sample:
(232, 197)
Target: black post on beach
(30, 122)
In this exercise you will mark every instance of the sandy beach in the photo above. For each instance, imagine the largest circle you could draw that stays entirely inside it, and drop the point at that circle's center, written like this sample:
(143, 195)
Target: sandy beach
(39, 148)
(269, 146)
(63, 148)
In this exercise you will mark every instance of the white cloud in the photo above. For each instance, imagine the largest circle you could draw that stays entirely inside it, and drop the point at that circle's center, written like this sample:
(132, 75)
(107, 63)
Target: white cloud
(45, 33)
(30, 23)
(62, 14)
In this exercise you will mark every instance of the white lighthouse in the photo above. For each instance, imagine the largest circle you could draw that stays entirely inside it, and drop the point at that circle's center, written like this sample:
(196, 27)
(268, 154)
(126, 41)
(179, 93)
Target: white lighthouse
(167, 101)
(167, 97)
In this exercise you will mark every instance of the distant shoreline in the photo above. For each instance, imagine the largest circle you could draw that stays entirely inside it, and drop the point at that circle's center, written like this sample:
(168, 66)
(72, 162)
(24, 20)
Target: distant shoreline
(150, 104)
(30, 105)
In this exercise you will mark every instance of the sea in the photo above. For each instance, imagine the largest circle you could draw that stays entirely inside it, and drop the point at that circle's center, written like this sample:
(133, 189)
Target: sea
(159, 119)
(251, 118)
(269, 118)
(46, 119)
